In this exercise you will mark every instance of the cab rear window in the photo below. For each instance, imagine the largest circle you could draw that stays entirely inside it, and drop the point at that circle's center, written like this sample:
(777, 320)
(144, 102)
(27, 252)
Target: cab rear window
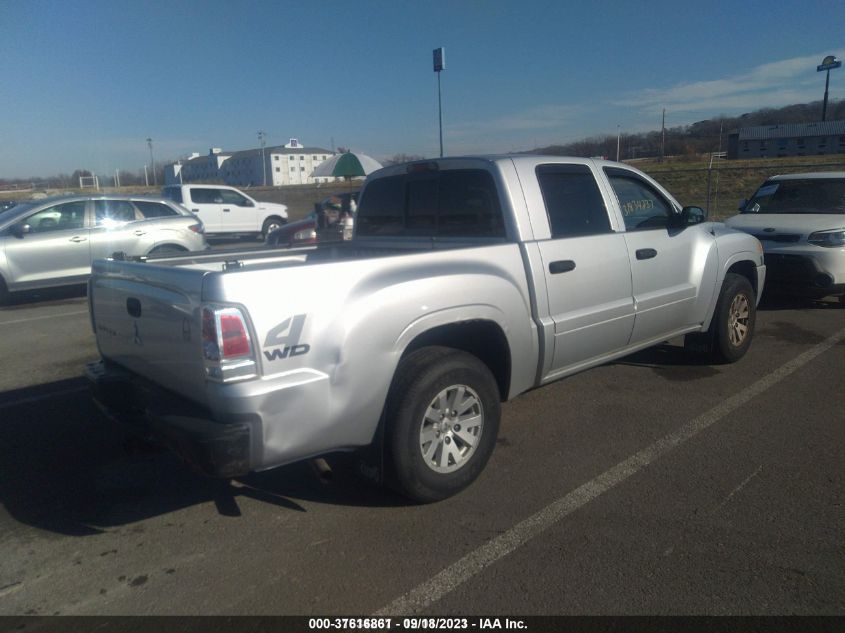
(449, 203)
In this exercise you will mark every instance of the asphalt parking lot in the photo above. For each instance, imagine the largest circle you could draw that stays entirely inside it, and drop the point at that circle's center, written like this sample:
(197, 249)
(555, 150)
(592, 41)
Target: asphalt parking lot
(654, 485)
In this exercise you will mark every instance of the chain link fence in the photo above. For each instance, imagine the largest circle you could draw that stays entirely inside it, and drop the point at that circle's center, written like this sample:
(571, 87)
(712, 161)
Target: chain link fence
(720, 187)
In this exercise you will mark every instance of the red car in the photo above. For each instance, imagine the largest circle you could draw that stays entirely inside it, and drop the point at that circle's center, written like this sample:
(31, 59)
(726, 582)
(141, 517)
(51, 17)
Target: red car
(331, 221)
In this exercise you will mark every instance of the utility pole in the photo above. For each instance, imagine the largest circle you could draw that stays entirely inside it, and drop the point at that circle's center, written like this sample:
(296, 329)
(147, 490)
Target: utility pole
(261, 135)
(663, 137)
(152, 162)
(618, 134)
(146, 177)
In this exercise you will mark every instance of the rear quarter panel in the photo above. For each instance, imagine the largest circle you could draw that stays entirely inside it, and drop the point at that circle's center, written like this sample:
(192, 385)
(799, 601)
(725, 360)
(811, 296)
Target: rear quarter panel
(357, 319)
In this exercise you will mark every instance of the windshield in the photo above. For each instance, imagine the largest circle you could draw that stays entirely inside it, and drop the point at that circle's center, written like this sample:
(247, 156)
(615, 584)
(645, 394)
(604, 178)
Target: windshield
(810, 195)
(17, 207)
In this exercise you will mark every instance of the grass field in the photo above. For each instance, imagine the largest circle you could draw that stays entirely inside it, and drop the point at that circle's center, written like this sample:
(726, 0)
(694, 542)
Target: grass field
(730, 181)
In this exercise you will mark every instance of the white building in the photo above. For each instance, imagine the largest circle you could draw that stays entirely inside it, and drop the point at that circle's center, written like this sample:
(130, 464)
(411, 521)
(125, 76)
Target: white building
(290, 164)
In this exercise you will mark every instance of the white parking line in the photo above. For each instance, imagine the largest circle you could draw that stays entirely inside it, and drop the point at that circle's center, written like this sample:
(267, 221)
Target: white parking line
(46, 396)
(46, 316)
(478, 560)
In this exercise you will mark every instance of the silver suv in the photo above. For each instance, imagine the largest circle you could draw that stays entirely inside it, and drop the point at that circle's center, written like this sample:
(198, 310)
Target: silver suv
(52, 242)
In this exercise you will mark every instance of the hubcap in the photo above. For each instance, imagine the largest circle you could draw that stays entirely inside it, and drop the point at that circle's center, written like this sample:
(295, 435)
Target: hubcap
(451, 428)
(738, 316)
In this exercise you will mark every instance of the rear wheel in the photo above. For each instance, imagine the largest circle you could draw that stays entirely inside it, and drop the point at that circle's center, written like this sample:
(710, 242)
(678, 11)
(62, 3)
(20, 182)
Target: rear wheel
(732, 328)
(270, 225)
(442, 420)
(167, 249)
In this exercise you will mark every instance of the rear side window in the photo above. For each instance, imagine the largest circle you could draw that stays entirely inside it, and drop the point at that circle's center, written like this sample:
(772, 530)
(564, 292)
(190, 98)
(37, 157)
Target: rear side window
(202, 195)
(154, 209)
(110, 213)
(451, 203)
(173, 193)
(573, 201)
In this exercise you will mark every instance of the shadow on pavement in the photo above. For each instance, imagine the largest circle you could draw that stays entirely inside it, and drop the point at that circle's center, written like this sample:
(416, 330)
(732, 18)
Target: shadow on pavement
(772, 302)
(30, 298)
(66, 469)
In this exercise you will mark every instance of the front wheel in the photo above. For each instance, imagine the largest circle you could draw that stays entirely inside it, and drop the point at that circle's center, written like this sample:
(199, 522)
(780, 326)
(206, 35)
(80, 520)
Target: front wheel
(732, 328)
(270, 225)
(442, 419)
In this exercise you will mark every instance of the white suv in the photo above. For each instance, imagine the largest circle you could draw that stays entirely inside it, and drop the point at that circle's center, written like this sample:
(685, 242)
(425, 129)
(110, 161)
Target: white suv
(800, 220)
(227, 210)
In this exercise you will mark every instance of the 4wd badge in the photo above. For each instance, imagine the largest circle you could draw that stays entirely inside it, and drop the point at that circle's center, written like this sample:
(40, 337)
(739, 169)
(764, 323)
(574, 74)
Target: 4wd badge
(285, 339)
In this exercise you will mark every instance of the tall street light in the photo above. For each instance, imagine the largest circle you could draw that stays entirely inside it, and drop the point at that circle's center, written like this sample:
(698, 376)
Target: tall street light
(828, 63)
(261, 135)
(152, 161)
(439, 65)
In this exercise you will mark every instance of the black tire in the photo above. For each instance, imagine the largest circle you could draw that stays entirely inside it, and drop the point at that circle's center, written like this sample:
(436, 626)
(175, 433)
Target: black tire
(271, 224)
(732, 328)
(453, 462)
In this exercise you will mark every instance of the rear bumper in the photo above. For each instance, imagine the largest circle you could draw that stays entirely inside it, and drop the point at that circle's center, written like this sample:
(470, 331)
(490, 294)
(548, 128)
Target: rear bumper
(214, 448)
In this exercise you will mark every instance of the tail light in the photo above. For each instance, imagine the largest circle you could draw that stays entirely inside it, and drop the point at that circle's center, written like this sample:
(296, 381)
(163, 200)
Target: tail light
(197, 228)
(226, 344)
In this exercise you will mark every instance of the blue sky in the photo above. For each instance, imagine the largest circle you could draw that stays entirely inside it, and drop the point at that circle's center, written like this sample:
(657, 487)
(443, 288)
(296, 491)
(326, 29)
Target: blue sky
(84, 83)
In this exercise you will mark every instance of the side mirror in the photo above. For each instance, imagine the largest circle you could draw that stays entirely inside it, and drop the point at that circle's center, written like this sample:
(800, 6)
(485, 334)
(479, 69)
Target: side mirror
(742, 204)
(693, 215)
(20, 229)
(247, 203)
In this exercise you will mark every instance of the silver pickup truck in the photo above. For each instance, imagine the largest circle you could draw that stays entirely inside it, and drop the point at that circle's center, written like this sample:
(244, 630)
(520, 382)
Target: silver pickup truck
(468, 281)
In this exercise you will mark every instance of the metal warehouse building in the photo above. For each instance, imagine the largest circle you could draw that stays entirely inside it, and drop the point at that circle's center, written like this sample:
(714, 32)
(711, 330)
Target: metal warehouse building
(792, 139)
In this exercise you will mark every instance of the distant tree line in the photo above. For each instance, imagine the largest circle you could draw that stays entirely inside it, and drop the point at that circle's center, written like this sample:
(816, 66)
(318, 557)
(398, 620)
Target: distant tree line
(69, 181)
(698, 138)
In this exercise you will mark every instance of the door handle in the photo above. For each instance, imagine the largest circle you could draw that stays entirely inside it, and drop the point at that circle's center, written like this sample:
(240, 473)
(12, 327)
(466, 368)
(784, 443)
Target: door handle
(225, 210)
(561, 266)
(195, 210)
(78, 238)
(646, 253)
(139, 232)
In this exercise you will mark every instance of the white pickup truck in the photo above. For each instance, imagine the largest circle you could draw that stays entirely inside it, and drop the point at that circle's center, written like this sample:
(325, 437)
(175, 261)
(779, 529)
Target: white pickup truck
(226, 210)
(468, 281)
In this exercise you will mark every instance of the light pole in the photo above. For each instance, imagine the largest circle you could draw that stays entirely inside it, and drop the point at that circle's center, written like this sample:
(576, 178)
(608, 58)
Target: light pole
(828, 63)
(261, 135)
(152, 161)
(439, 65)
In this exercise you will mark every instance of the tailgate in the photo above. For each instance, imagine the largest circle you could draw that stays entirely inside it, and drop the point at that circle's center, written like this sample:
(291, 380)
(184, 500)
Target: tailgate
(146, 318)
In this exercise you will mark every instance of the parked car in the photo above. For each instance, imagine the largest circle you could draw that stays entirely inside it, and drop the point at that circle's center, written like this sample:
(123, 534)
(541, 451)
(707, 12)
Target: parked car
(7, 204)
(52, 242)
(226, 210)
(800, 219)
(332, 220)
(468, 281)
